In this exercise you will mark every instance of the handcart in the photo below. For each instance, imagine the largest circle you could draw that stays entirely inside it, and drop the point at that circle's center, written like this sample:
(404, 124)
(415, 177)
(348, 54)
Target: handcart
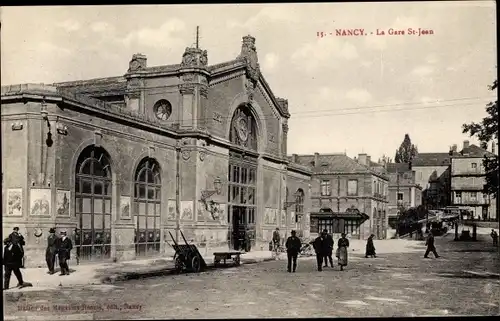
(187, 258)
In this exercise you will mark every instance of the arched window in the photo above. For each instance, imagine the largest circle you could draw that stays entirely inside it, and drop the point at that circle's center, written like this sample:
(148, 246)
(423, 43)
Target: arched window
(243, 128)
(147, 207)
(93, 201)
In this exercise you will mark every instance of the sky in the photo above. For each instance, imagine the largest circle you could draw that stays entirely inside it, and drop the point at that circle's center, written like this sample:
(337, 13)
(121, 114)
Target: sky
(352, 94)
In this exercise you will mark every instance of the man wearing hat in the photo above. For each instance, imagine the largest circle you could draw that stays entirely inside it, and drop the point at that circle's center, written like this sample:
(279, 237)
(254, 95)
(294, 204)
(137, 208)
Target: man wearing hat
(50, 253)
(64, 247)
(18, 240)
(12, 261)
(293, 246)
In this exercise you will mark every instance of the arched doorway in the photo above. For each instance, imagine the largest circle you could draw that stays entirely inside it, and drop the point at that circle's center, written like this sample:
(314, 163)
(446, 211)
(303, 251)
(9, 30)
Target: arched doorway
(242, 179)
(147, 207)
(93, 199)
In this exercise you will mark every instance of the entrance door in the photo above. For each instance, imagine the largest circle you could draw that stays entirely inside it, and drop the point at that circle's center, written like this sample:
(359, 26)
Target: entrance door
(239, 227)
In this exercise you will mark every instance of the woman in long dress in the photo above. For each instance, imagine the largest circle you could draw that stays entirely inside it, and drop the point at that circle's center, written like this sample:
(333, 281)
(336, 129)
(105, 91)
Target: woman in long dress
(343, 244)
(370, 247)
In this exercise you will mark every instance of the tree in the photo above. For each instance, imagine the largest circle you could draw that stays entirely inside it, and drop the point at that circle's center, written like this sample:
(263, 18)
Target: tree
(486, 131)
(406, 152)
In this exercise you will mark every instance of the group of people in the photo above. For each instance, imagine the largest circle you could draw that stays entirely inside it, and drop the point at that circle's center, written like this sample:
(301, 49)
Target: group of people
(13, 256)
(323, 247)
(61, 247)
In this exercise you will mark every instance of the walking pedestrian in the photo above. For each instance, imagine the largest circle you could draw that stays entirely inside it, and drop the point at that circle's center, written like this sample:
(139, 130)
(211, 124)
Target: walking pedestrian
(64, 247)
(370, 247)
(293, 246)
(494, 236)
(12, 261)
(18, 240)
(430, 246)
(328, 248)
(51, 251)
(342, 244)
(319, 248)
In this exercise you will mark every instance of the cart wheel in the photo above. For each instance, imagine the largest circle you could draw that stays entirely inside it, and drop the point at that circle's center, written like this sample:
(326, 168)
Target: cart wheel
(195, 264)
(179, 264)
(236, 260)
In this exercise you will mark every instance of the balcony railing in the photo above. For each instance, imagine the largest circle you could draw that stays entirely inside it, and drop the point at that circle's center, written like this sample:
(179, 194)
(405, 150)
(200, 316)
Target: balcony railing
(476, 201)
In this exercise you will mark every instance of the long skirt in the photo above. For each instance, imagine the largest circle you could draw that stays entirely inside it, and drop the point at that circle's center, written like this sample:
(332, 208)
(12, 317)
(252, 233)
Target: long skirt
(342, 255)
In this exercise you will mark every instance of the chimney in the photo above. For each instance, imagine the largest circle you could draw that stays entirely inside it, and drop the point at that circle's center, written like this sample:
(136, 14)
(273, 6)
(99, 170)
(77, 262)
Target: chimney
(466, 144)
(454, 148)
(362, 159)
(368, 161)
(295, 158)
(316, 159)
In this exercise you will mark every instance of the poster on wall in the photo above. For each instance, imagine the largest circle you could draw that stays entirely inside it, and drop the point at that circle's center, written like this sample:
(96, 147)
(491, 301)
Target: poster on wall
(187, 211)
(15, 202)
(40, 201)
(283, 217)
(171, 210)
(125, 207)
(63, 203)
(270, 216)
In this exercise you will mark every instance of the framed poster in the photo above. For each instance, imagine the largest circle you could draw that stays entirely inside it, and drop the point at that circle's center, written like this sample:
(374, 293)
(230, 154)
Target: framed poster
(40, 201)
(15, 202)
(63, 203)
(125, 207)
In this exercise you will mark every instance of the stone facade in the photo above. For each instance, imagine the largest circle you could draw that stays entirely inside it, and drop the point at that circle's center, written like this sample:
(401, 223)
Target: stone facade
(127, 160)
(340, 183)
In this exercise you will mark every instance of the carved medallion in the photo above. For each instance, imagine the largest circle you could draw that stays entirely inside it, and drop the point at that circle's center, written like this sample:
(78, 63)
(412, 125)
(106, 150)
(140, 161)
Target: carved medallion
(242, 128)
(202, 156)
(186, 154)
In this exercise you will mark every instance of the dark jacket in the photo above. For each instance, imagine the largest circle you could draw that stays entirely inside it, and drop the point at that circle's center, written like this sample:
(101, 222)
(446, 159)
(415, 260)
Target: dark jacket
(430, 241)
(17, 238)
(293, 245)
(343, 242)
(329, 244)
(319, 245)
(64, 248)
(52, 243)
(370, 247)
(12, 256)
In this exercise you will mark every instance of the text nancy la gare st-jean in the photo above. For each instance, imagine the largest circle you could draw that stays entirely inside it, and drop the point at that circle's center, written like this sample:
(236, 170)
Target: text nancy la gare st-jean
(378, 32)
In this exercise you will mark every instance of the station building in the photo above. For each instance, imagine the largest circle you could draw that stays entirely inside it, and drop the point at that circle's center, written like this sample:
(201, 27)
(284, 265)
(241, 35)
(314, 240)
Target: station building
(122, 162)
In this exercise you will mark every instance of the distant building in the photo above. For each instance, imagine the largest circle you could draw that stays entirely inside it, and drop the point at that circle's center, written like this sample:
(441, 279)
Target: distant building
(347, 195)
(468, 179)
(404, 192)
(432, 173)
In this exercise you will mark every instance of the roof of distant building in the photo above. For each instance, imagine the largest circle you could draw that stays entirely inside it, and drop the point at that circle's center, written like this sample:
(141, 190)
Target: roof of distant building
(473, 151)
(398, 167)
(431, 159)
(337, 163)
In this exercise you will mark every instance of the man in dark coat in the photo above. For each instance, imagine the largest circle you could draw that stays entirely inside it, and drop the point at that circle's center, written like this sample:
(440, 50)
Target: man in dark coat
(293, 246)
(494, 236)
(12, 261)
(430, 246)
(51, 251)
(328, 248)
(17, 239)
(319, 248)
(370, 247)
(64, 247)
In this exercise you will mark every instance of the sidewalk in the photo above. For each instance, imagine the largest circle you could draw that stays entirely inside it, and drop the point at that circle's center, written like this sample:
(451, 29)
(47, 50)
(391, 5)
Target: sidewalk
(101, 273)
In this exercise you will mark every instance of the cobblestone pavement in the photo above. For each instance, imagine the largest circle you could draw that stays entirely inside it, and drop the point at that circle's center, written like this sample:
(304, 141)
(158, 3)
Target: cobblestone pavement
(464, 281)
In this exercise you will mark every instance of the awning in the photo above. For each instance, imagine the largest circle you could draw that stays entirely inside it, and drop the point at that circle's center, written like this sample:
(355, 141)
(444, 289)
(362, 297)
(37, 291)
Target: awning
(351, 214)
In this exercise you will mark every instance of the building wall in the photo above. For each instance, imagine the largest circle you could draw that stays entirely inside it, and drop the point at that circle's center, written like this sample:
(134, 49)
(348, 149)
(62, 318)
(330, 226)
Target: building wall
(294, 182)
(441, 187)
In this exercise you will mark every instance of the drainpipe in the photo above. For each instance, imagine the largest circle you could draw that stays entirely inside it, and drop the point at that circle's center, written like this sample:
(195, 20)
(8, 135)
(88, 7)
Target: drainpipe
(177, 193)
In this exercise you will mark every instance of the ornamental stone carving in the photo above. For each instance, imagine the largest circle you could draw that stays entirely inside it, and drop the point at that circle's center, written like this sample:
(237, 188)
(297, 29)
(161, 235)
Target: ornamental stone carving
(249, 55)
(250, 88)
(186, 155)
(137, 63)
(194, 57)
(204, 91)
(202, 156)
(186, 89)
(285, 128)
(188, 77)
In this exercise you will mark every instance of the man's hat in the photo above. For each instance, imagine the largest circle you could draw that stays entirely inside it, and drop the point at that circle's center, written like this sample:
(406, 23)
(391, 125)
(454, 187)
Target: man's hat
(293, 232)
(63, 232)
(16, 228)
(52, 230)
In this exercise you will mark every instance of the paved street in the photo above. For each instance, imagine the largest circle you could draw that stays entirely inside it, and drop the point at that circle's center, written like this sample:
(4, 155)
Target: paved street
(464, 281)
